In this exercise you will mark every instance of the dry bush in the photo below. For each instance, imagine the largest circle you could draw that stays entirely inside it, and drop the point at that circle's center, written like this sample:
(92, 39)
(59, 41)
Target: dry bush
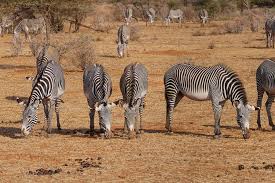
(217, 31)
(134, 33)
(234, 27)
(118, 12)
(189, 13)
(79, 51)
(198, 33)
(103, 20)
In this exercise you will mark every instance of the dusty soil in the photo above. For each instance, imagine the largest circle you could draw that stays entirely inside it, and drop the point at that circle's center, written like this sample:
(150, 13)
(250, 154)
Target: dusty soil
(190, 155)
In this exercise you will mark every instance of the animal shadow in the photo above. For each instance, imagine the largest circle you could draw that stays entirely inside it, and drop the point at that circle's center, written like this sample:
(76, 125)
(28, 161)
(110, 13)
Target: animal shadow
(10, 132)
(14, 98)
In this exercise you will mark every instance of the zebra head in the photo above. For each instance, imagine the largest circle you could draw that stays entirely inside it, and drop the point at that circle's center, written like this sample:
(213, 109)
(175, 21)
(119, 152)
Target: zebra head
(29, 116)
(243, 114)
(105, 116)
(130, 114)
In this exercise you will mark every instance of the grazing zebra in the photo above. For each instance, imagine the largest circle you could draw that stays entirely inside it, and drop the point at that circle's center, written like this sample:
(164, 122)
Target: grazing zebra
(133, 86)
(97, 85)
(265, 79)
(128, 15)
(270, 31)
(123, 35)
(217, 83)
(203, 15)
(48, 89)
(174, 14)
(7, 24)
(150, 15)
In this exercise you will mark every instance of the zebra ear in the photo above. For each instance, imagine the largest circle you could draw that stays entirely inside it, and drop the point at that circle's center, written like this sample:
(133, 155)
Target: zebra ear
(21, 102)
(119, 102)
(29, 78)
(98, 108)
(237, 104)
(253, 108)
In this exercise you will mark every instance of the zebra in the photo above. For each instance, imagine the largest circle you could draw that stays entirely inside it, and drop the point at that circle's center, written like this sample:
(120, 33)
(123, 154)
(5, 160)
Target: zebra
(203, 15)
(123, 35)
(217, 83)
(128, 15)
(7, 24)
(48, 89)
(150, 15)
(270, 31)
(133, 86)
(28, 26)
(178, 14)
(97, 86)
(265, 75)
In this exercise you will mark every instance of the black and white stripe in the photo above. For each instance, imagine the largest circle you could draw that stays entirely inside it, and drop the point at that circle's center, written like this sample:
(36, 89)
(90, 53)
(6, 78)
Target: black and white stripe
(48, 89)
(134, 86)
(265, 79)
(203, 15)
(270, 32)
(97, 85)
(123, 35)
(217, 83)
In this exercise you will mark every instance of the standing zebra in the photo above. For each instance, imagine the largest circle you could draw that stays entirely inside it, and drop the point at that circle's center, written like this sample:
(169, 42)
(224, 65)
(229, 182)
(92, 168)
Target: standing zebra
(48, 89)
(150, 15)
(7, 24)
(174, 14)
(133, 86)
(123, 35)
(128, 14)
(203, 15)
(97, 87)
(217, 83)
(265, 79)
(270, 31)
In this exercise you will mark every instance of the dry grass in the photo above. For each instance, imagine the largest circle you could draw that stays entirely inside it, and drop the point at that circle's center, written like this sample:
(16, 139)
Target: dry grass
(190, 155)
(199, 33)
(234, 27)
(134, 33)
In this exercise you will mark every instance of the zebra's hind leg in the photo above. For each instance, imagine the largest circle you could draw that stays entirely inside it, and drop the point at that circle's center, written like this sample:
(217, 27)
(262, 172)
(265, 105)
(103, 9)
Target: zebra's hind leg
(92, 125)
(171, 102)
(57, 104)
(268, 105)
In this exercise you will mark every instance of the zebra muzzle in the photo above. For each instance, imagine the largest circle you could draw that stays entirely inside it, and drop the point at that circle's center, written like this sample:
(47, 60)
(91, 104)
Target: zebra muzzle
(246, 134)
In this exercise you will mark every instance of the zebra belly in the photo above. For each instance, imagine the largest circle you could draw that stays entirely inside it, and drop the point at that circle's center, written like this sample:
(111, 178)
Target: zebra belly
(200, 96)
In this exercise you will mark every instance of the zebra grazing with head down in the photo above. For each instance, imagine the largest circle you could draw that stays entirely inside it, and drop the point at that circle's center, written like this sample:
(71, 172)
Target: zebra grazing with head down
(150, 15)
(97, 87)
(174, 14)
(265, 79)
(48, 89)
(123, 35)
(217, 83)
(270, 32)
(7, 24)
(203, 15)
(133, 86)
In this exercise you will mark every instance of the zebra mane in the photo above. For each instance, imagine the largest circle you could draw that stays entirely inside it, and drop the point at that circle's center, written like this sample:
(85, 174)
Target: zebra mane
(236, 77)
(102, 75)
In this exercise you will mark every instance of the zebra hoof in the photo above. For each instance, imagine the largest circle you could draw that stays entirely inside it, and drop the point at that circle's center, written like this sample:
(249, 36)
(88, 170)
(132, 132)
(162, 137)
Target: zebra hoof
(169, 133)
(59, 129)
(217, 136)
(273, 128)
(260, 128)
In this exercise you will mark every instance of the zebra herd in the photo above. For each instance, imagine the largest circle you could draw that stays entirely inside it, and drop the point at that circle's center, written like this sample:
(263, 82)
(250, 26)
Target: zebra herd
(217, 83)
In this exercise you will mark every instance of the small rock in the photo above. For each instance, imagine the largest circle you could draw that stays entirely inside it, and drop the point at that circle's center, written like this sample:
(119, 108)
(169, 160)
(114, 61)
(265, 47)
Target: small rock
(241, 167)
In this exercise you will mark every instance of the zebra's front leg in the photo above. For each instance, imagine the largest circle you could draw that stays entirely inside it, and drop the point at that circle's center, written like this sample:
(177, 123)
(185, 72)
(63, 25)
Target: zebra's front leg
(268, 105)
(141, 108)
(48, 114)
(217, 108)
(92, 124)
(260, 91)
(57, 104)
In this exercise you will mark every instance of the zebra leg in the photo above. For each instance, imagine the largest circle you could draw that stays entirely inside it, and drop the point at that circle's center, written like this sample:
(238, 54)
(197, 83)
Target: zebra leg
(92, 125)
(48, 114)
(267, 38)
(268, 105)
(272, 34)
(217, 108)
(57, 104)
(171, 103)
(141, 108)
(260, 92)
(125, 129)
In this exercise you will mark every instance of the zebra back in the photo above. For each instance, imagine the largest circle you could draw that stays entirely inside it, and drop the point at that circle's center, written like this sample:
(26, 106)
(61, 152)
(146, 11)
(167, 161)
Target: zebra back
(123, 34)
(97, 84)
(134, 83)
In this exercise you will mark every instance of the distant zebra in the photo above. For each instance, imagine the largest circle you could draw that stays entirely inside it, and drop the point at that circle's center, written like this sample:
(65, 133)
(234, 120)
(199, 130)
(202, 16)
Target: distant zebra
(217, 83)
(48, 89)
(265, 79)
(97, 85)
(133, 86)
(128, 15)
(7, 24)
(123, 35)
(270, 32)
(203, 15)
(174, 14)
(150, 15)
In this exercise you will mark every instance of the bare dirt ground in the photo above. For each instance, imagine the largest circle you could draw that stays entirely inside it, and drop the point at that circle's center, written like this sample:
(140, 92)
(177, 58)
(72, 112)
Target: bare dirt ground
(190, 155)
